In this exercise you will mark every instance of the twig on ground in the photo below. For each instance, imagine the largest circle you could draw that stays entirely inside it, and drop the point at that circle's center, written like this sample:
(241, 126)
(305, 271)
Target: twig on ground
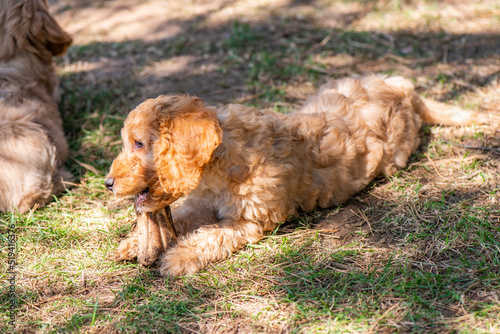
(434, 165)
(470, 147)
(372, 328)
(363, 216)
(87, 166)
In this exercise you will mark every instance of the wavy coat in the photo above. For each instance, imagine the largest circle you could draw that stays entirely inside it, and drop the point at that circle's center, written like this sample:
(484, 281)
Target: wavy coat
(247, 170)
(33, 146)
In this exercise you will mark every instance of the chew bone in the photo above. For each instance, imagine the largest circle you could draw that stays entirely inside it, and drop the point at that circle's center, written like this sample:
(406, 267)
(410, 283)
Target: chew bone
(155, 234)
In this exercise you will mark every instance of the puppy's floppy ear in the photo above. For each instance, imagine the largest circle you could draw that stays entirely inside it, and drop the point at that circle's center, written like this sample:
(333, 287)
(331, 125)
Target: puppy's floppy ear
(188, 134)
(54, 38)
(27, 24)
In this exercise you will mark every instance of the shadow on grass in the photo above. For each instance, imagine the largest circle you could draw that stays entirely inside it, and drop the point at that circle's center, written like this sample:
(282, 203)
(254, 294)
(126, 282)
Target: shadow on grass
(248, 62)
(95, 102)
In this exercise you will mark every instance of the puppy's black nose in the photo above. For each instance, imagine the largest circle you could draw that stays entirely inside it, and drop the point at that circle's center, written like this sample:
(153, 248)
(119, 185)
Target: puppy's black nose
(109, 183)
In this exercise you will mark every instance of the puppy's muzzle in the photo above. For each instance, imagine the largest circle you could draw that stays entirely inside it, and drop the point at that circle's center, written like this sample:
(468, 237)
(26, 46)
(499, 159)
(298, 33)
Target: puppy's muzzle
(109, 183)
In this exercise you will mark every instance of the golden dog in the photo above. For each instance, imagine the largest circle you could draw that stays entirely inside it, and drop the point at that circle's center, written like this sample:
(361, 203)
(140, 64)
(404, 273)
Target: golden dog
(33, 147)
(247, 170)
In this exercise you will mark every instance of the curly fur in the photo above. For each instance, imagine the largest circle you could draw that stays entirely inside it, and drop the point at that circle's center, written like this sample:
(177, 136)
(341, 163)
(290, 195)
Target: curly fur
(33, 147)
(247, 170)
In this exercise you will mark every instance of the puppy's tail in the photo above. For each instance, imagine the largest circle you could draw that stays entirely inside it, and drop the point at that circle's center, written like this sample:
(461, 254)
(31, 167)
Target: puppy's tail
(434, 112)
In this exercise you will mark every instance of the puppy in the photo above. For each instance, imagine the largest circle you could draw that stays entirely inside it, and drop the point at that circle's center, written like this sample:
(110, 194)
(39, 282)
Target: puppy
(33, 147)
(247, 170)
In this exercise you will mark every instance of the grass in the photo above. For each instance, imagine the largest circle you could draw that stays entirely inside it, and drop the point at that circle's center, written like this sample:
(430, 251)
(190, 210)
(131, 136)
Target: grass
(417, 252)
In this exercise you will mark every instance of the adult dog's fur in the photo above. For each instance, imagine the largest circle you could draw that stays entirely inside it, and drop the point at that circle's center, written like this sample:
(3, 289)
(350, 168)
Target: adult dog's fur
(32, 143)
(247, 170)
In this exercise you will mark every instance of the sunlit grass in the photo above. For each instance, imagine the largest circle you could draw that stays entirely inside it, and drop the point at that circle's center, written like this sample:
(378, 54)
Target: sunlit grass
(419, 254)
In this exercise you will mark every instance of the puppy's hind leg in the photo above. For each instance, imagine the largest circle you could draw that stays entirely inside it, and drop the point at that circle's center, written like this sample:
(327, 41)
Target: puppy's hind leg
(208, 244)
(28, 167)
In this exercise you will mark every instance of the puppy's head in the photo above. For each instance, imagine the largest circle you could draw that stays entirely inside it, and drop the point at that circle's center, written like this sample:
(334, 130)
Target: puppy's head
(27, 25)
(167, 142)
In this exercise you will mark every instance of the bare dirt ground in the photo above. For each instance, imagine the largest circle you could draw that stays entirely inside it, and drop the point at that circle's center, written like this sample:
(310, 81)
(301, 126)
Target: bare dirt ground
(416, 253)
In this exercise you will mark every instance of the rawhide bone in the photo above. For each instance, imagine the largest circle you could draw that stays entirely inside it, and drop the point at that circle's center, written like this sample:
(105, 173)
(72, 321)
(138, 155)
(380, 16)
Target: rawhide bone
(155, 233)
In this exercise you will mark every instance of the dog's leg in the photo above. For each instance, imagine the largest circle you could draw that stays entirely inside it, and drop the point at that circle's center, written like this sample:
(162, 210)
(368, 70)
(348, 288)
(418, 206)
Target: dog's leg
(128, 248)
(208, 244)
(28, 166)
(192, 214)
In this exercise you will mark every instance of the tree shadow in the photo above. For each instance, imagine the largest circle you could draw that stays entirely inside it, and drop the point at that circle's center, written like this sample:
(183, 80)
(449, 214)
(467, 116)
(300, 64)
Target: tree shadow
(111, 78)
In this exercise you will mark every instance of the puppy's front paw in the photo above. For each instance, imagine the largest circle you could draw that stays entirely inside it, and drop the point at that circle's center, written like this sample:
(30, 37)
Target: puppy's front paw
(127, 250)
(179, 261)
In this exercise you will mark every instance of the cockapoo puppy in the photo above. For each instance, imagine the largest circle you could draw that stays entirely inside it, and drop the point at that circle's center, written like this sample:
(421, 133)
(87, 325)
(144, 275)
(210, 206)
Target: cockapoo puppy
(33, 147)
(247, 170)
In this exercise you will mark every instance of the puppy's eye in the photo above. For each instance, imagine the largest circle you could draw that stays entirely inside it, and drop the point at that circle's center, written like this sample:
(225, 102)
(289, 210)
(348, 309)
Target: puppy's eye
(138, 144)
